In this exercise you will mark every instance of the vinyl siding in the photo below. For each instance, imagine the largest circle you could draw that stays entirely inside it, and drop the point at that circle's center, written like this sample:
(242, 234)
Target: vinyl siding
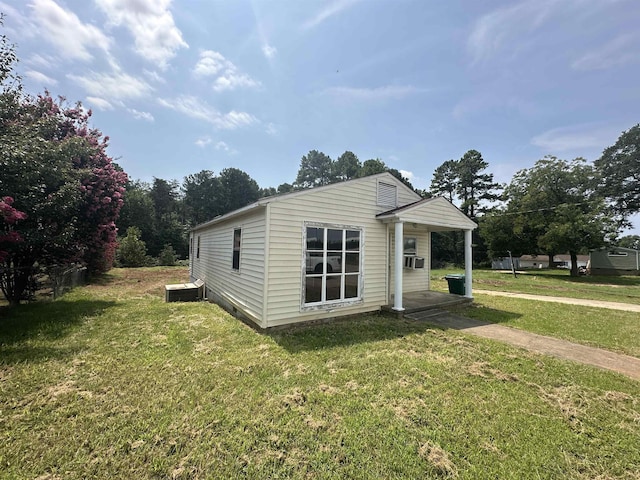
(357, 206)
(413, 280)
(601, 259)
(241, 288)
(438, 212)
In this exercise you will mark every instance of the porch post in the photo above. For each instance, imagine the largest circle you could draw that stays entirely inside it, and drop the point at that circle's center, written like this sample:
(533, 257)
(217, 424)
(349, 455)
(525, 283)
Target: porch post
(398, 264)
(468, 262)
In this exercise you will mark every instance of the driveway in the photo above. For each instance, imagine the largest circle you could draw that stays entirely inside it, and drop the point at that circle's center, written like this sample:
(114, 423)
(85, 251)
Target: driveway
(624, 364)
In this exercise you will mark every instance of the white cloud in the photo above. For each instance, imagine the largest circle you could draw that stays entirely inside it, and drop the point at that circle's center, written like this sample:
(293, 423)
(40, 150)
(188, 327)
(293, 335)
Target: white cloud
(64, 30)
(41, 78)
(151, 23)
(112, 86)
(40, 61)
(153, 75)
(224, 147)
(200, 110)
(328, 11)
(214, 64)
(272, 129)
(211, 63)
(141, 115)
(100, 103)
(378, 93)
(203, 141)
(620, 51)
(576, 138)
(269, 51)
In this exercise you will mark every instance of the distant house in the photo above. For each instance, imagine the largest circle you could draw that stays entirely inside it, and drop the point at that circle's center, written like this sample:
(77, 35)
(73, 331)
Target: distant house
(330, 251)
(504, 263)
(615, 261)
(534, 261)
(537, 261)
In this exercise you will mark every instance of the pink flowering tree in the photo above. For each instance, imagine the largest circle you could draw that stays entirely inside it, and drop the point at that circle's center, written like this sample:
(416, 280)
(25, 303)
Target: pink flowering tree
(65, 191)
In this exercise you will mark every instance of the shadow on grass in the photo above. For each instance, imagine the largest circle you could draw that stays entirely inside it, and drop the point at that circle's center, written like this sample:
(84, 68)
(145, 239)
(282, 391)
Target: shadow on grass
(342, 333)
(29, 332)
(483, 315)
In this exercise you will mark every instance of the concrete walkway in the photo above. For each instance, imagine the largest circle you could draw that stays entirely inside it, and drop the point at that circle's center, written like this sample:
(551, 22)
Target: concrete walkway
(627, 307)
(624, 364)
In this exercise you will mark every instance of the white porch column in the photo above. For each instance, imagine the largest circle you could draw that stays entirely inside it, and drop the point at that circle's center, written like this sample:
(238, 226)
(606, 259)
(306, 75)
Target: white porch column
(468, 263)
(398, 264)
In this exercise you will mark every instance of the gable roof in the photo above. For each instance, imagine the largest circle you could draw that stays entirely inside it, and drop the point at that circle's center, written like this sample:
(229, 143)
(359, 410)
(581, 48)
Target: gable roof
(263, 202)
(436, 211)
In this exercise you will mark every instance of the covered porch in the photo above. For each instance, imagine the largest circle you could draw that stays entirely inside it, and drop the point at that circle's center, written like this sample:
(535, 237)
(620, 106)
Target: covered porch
(428, 215)
(426, 300)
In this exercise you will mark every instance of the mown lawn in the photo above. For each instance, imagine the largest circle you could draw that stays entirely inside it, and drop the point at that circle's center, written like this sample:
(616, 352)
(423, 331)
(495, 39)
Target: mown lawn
(556, 282)
(610, 329)
(111, 382)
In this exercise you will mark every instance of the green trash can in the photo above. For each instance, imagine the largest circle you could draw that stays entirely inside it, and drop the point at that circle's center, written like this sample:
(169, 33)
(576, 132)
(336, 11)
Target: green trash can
(456, 284)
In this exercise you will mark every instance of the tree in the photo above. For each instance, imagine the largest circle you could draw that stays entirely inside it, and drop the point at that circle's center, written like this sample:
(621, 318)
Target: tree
(445, 180)
(619, 173)
(630, 241)
(346, 166)
(56, 170)
(316, 169)
(552, 207)
(285, 188)
(202, 196)
(473, 186)
(238, 189)
(138, 210)
(132, 251)
(372, 167)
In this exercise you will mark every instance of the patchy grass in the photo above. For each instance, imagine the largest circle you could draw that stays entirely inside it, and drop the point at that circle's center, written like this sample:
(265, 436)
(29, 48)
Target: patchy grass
(558, 283)
(111, 382)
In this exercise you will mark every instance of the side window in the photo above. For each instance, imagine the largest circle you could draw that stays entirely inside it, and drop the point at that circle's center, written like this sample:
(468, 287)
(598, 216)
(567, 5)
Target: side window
(237, 236)
(198, 248)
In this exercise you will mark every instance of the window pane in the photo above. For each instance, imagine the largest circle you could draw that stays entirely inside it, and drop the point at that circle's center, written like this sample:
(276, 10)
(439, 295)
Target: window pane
(315, 238)
(314, 262)
(334, 239)
(352, 263)
(333, 287)
(353, 240)
(313, 291)
(236, 259)
(351, 286)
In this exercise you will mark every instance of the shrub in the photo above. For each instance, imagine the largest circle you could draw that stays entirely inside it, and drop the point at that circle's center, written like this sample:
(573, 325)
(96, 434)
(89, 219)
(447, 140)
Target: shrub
(132, 251)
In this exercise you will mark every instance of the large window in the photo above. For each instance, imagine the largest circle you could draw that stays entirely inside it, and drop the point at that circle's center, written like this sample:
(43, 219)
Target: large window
(237, 236)
(333, 265)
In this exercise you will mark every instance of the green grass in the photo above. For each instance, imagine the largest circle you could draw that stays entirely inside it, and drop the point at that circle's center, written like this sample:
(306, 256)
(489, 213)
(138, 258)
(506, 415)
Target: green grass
(111, 382)
(558, 283)
(610, 329)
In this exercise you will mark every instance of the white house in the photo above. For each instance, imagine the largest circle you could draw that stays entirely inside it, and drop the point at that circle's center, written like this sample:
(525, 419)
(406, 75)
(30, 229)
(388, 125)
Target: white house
(340, 249)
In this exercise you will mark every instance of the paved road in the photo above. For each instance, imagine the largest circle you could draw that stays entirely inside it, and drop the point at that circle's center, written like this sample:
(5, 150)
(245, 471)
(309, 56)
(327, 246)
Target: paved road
(624, 364)
(627, 307)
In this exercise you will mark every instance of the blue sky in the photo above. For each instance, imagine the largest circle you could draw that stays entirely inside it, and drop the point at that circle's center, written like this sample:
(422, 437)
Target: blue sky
(182, 86)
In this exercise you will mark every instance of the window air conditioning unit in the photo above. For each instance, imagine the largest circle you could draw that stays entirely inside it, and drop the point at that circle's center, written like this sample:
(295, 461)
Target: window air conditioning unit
(412, 262)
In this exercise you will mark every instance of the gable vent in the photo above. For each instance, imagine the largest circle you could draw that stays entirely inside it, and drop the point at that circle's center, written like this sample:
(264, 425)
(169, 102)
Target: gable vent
(387, 195)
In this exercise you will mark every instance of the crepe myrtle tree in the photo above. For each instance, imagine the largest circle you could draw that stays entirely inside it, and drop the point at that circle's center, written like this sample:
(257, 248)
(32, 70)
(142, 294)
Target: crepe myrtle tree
(56, 170)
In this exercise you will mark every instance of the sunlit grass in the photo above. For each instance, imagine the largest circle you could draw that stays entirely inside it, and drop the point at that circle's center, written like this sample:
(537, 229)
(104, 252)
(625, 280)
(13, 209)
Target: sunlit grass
(111, 382)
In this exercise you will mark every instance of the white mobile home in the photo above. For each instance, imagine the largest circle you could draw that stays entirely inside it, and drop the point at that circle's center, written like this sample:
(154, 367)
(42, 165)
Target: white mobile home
(340, 249)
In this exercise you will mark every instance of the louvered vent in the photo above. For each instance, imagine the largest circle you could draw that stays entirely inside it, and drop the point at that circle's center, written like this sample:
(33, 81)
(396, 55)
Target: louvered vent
(387, 195)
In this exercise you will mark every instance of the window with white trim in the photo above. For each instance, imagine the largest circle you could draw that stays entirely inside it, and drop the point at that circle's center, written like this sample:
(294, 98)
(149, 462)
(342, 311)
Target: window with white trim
(333, 265)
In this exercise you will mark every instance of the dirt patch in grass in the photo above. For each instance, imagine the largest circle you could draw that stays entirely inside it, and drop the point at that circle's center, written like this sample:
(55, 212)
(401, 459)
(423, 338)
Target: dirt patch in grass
(438, 459)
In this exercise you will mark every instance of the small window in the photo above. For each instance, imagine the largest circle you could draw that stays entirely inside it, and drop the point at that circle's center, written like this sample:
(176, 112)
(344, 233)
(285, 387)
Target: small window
(237, 235)
(198, 248)
(410, 246)
(617, 254)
